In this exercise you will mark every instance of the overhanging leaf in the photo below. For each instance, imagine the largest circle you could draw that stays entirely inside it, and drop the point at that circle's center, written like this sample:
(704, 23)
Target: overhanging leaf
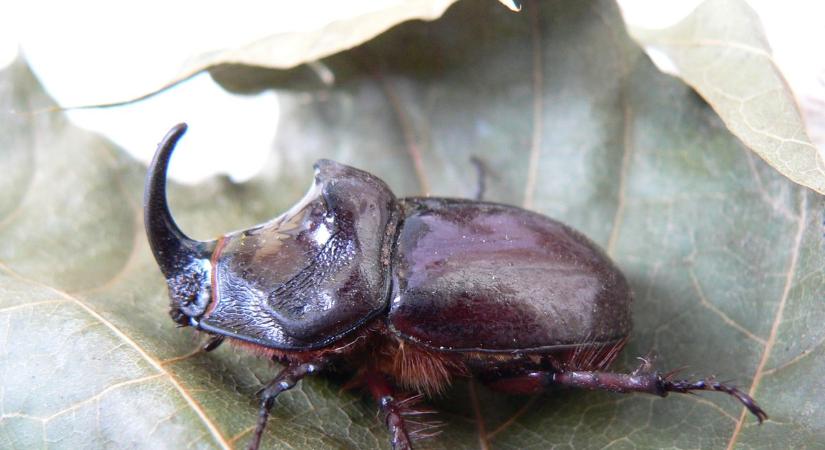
(725, 255)
(287, 50)
(721, 51)
(276, 34)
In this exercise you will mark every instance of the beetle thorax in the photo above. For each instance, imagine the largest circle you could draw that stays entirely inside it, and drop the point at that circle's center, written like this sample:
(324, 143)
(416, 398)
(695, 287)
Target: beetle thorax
(312, 275)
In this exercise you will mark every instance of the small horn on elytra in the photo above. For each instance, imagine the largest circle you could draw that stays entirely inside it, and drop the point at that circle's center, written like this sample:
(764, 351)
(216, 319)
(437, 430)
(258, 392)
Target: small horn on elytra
(173, 250)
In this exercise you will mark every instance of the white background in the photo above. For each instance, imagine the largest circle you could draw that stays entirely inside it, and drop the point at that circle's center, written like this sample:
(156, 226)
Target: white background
(90, 51)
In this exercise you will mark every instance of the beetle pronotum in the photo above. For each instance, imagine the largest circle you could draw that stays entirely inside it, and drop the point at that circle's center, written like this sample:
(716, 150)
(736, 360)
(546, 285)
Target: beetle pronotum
(406, 294)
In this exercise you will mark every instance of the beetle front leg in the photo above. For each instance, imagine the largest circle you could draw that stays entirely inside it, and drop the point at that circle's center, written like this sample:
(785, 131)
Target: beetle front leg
(286, 379)
(213, 343)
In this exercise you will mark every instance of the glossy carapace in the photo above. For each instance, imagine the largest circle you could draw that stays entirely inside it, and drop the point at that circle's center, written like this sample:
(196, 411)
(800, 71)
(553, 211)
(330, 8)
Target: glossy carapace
(405, 294)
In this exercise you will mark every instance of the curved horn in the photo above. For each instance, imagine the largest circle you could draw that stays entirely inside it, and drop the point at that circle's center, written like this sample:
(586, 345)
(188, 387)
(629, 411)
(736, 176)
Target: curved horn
(173, 250)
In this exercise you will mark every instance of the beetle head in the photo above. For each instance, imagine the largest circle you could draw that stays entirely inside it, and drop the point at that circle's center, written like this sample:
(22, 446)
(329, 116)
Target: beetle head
(183, 261)
(190, 293)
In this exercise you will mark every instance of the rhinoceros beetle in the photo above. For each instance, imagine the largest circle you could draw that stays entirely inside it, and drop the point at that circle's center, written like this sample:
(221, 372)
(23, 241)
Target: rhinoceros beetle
(406, 294)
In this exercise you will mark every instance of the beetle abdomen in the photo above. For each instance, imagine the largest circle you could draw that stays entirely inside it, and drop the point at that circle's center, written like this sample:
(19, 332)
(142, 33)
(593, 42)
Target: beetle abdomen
(489, 277)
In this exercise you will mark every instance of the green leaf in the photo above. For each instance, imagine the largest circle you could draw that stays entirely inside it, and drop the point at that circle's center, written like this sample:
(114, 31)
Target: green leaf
(721, 51)
(724, 254)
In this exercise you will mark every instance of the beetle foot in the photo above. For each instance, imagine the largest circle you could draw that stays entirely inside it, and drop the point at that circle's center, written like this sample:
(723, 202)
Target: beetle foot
(710, 384)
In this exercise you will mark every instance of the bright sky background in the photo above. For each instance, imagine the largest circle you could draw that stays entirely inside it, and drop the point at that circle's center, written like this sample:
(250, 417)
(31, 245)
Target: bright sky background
(86, 51)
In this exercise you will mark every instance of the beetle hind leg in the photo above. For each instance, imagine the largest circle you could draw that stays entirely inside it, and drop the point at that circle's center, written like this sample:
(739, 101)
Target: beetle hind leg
(653, 383)
(642, 380)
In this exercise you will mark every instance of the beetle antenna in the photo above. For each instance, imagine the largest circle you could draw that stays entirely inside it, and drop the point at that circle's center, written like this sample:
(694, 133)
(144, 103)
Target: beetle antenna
(173, 250)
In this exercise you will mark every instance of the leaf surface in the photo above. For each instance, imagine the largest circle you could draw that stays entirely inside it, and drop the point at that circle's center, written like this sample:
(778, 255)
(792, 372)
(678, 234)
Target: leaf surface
(572, 120)
(721, 51)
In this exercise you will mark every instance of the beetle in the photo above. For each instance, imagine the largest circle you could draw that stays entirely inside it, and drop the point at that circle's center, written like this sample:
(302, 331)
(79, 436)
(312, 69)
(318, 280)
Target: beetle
(406, 294)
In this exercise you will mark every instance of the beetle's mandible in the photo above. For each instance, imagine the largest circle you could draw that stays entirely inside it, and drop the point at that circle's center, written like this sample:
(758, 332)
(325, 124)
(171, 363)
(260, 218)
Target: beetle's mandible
(406, 294)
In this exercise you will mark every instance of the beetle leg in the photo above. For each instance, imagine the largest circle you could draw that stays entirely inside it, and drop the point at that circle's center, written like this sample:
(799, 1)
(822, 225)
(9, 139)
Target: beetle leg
(481, 185)
(286, 379)
(213, 343)
(639, 381)
(650, 383)
(391, 408)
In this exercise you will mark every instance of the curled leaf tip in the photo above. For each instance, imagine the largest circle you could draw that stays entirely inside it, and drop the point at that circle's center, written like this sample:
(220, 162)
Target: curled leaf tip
(513, 5)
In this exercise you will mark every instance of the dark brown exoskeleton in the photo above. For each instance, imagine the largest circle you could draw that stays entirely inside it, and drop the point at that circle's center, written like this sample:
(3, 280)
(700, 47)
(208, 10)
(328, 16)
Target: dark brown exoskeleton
(407, 294)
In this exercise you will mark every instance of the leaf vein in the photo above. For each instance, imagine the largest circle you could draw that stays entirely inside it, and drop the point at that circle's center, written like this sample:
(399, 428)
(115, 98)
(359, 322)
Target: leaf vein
(216, 434)
(483, 443)
(101, 394)
(538, 107)
(627, 148)
(789, 278)
(703, 300)
(796, 359)
(32, 304)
